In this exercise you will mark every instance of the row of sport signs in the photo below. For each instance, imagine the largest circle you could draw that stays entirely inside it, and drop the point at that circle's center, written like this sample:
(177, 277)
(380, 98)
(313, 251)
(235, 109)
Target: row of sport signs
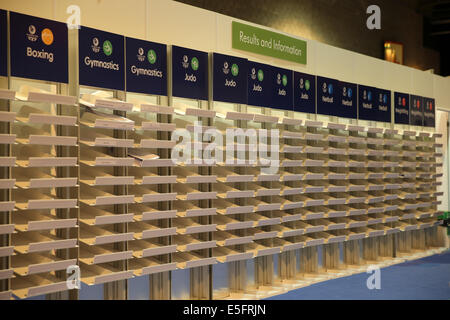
(39, 50)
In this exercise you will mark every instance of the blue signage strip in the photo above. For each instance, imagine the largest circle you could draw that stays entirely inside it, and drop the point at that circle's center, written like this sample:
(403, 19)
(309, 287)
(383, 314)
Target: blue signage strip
(282, 89)
(259, 84)
(429, 112)
(348, 103)
(101, 59)
(189, 73)
(401, 108)
(304, 92)
(229, 79)
(3, 44)
(374, 104)
(367, 104)
(416, 111)
(146, 67)
(327, 96)
(383, 103)
(39, 48)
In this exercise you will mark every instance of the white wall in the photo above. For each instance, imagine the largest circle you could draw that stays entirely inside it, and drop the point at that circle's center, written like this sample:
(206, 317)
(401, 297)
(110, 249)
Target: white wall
(175, 23)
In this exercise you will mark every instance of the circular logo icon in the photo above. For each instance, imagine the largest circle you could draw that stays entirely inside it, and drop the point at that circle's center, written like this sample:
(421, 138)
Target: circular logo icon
(185, 62)
(31, 35)
(349, 92)
(194, 63)
(260, 75)
(95, 41)
(284, 80)
(107, 47)
(330, 88)
(47, 36)
(234, 69)
(151, 56)
(307, 84)
(225, 65)
(140, 51)
(403, 102)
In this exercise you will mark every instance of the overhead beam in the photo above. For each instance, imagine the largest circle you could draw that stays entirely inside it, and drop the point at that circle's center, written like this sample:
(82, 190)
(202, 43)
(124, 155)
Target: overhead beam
(440, 33)
(440, 22)
(427, 4)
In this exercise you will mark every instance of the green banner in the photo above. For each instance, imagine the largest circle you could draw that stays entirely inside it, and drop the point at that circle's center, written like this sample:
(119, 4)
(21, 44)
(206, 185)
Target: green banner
(268, 43)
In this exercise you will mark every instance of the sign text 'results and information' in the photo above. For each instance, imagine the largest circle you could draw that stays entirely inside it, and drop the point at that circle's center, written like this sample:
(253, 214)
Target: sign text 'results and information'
(268, 43)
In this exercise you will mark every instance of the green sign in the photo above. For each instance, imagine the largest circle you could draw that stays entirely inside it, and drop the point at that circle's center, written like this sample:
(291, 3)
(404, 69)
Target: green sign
(284, 80)
(260, 75)
(268, 43)
(151, 56)
(107, 48)
(234, 69)
(194, 63)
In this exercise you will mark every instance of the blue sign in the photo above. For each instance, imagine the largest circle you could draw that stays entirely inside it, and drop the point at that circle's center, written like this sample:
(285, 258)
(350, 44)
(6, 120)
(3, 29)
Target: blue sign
(229, 79)
(38, 48)
(416, 111)
(101, 59)
(282, 89)
(3, 44)
(146, 67)
(304, 92)
(259, 84)
(401, 108)
(428, 112)
(367, 103)
(383, 104)
(189, 73)
(327, 96)
(347, 106)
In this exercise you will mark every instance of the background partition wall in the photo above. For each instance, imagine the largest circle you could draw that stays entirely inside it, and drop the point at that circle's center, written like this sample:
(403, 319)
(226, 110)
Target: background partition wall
(103, 166)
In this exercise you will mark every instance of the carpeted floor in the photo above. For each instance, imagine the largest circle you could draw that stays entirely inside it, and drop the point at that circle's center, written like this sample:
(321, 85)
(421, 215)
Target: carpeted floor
(423, 279)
